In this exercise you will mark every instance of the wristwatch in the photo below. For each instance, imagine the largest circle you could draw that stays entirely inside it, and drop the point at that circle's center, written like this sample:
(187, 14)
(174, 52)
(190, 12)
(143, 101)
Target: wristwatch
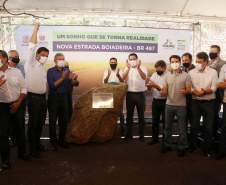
(118, 75)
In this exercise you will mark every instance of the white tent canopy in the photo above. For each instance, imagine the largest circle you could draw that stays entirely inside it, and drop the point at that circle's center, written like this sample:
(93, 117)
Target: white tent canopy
(183, 9)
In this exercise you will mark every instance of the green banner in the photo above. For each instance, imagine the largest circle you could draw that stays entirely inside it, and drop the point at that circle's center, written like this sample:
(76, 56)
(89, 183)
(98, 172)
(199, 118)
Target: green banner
(105, 37)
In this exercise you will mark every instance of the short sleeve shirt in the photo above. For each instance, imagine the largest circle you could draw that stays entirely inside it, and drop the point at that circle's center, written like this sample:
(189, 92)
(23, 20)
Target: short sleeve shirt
(175, 83)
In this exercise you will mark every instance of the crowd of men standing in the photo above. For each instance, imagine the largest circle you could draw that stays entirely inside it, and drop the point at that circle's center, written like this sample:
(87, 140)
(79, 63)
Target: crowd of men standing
(15, 92)
(195, 91)
(190, 93)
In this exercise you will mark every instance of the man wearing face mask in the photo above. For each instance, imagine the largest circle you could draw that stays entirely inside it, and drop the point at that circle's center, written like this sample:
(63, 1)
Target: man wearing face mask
(135, 76)
(114, 74)
(204, 85)
(58, 78)
(216, 63)
(177, 84)
(158, 105)
(14, 62)
(188, 66)
(12, 93)
(37, 87)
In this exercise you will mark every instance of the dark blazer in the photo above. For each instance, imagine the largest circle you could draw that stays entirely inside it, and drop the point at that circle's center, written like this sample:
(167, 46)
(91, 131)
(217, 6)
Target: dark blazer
(217, 67)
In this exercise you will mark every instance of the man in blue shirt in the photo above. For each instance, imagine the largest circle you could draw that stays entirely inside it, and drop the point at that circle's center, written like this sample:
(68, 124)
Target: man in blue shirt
(58, 79)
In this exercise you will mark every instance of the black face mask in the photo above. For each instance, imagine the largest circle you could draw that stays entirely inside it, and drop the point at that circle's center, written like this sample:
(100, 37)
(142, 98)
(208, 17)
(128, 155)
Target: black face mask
(113, 66)
(66, 67)
(159, 73)
(186, 65)
(213, 55)
(15, 60)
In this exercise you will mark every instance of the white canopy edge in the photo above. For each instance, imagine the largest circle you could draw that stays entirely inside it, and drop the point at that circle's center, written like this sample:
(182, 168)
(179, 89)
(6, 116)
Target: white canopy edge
(110, 14)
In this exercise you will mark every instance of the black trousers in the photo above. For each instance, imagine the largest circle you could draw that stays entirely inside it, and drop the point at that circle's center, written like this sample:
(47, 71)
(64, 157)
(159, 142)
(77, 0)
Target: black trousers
(58, 109)
(202, 108)
(135, 99)
(37, 108)
(12, 131)
(222, 144)
(158, 109)
(70, 106)
(217, 107)
(6, 120)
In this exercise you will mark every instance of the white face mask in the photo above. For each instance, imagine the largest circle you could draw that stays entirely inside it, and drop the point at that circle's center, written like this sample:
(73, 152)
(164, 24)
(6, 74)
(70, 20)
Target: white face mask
(175, 66)
(60, 63)
(43, 60)
(198, 66)
(133, 63)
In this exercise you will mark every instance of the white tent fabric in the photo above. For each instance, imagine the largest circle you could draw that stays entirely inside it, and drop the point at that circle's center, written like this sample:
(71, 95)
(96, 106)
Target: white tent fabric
(179, 8)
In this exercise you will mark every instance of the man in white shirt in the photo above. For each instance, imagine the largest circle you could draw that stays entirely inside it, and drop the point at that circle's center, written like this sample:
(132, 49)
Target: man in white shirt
(135, 76)
(37, 86)
(14, 62)
(158, 104)
(204, 85)
(12, 93)
(114, 74)
(216, 63)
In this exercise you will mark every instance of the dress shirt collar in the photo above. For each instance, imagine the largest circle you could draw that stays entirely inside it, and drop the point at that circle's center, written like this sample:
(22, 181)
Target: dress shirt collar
(213, 63)
(39, 64)
(56, 69)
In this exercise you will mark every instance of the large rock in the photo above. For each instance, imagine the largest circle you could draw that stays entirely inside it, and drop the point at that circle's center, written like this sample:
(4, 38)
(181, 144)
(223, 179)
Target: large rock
(95, 125)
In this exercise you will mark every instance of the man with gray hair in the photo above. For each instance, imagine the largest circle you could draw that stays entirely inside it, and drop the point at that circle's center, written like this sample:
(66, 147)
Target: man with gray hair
(14, 62)
(58, 78)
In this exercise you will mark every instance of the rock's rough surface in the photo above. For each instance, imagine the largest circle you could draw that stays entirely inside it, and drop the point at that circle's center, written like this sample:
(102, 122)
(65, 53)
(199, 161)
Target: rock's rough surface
(95, 125)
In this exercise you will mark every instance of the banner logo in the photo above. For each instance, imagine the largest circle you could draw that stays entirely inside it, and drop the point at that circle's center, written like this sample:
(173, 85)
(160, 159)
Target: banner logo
(26, 39)
(42, 37)
(168, 44)
(181, 44)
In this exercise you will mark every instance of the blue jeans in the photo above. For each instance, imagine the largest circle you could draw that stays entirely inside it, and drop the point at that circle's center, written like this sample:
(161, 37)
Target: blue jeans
(180, 112)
